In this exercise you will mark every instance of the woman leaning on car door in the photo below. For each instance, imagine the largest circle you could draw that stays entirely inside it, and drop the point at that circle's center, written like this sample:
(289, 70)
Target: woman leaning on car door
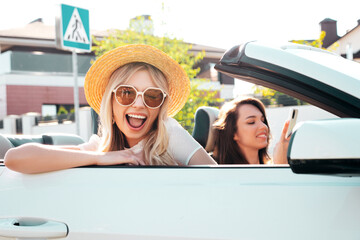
(135, 89)
(243, 134)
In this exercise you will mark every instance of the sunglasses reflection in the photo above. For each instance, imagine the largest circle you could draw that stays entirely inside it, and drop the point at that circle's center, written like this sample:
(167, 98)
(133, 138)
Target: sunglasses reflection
(152, 97)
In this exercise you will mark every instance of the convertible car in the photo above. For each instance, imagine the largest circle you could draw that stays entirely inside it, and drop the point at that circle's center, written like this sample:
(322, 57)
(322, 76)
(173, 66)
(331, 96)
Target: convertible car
(316, 196)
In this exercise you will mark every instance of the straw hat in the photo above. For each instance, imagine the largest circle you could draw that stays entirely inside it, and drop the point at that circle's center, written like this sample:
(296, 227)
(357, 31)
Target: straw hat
(99, 74)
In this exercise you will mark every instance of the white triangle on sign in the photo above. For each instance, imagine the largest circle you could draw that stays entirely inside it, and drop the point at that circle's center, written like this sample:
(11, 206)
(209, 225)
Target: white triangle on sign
(75, 31)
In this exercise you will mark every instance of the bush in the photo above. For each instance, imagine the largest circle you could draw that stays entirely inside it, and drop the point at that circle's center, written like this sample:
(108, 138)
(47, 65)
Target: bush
(197, 98)
(62, 117)
(62, 110)
(286, 100)
(265, 101)
(47, 118)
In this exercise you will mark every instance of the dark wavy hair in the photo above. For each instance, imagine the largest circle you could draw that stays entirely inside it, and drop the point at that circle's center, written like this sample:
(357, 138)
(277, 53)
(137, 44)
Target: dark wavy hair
(226, 150)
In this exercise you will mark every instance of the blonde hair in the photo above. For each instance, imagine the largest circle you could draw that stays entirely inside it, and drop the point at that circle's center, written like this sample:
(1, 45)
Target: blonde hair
(157, 139)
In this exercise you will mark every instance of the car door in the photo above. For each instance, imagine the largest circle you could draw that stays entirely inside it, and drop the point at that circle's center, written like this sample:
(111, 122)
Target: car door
(227, 202)
(201, 202)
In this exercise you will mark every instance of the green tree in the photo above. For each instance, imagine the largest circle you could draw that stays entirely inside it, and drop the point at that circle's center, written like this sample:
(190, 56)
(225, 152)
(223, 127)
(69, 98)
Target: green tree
(198, 97)
(315, 43)
(175, 48)
(62, 114)
(272, 97)
(62, 111)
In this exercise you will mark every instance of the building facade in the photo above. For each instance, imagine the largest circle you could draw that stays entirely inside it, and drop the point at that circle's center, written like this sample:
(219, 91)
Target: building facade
(36, 76)
(347, 45)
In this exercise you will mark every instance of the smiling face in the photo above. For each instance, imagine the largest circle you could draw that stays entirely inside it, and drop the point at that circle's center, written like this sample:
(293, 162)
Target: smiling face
(252, 133)
(136, 120)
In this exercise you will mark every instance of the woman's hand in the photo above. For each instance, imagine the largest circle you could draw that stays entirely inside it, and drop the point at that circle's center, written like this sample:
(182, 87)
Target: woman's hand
(280, 150)
(127, 156)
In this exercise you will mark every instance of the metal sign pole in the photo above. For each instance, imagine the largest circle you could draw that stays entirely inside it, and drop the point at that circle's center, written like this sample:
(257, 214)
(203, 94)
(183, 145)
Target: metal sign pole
(73, 33)
(76, 92)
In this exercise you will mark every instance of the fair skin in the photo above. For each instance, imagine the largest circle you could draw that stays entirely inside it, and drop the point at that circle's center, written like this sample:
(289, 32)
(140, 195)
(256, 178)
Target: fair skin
(280, 150)
(38, 158)
(252, 132)
(252, 135)
(135, 121)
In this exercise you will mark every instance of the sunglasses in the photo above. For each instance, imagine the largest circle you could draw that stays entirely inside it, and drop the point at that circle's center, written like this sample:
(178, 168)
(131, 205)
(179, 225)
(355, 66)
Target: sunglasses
(152, 97)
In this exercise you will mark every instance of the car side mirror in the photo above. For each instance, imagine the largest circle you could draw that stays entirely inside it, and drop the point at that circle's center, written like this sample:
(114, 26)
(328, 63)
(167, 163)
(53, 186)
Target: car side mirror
(326, 147)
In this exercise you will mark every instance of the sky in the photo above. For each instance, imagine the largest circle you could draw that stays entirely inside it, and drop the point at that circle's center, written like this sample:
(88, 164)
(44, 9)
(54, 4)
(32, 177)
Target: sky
(221, 24)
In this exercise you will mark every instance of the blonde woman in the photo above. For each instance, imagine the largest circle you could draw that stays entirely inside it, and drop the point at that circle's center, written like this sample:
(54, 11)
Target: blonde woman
(135, 89)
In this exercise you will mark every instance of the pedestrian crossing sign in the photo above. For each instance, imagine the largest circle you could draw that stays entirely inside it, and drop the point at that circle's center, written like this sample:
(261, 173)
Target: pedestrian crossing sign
(75, 28)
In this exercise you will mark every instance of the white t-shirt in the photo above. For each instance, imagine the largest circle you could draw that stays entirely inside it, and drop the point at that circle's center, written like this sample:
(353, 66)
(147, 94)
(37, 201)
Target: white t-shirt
(182, 145)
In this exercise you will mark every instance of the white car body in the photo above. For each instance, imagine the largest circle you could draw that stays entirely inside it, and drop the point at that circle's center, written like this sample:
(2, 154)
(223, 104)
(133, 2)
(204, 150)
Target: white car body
(201, 202)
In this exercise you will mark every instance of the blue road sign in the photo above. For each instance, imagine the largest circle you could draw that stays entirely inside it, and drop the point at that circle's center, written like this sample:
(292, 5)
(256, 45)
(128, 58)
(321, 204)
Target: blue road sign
(75, 28)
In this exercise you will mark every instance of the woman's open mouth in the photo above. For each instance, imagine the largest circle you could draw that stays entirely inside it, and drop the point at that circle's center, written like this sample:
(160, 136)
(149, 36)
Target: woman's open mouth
(136, 121)
(262, 135)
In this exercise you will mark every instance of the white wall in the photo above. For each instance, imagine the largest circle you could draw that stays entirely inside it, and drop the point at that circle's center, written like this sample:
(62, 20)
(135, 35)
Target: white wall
(3, 111)
(54, 128)
(352, 38)
(5, 61)
(55, 80)
(227, 91)
(4, 68)
(9, 124)
(29, 128)
(278, 116)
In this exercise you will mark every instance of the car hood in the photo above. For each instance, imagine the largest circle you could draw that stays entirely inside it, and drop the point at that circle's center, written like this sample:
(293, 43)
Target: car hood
(316, 76)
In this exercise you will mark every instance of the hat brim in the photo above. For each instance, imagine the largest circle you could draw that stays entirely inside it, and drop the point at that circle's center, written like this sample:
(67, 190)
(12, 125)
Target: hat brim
(99, 74)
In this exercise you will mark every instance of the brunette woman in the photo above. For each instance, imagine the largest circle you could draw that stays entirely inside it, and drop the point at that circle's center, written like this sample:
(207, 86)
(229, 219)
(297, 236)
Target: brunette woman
(243, 134)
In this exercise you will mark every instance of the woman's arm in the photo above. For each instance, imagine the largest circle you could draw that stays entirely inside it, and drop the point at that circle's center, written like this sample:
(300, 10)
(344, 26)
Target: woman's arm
(38, 158)
(201, 157)
(184, 147)
(280, 150)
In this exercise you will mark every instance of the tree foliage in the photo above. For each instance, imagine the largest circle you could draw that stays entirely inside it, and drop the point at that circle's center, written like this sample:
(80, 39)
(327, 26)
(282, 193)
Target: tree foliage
(176, 49)
(198, 97)
(62, 110)
(272, 97)
(314, 43)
